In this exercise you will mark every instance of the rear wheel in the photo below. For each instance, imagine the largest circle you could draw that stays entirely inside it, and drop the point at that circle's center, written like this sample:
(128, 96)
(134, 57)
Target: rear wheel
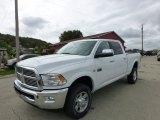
(78, 101)
(132, 77)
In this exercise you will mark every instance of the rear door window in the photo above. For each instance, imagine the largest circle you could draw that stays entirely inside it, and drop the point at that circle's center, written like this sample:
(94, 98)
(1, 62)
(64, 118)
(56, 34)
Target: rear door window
(116, 48)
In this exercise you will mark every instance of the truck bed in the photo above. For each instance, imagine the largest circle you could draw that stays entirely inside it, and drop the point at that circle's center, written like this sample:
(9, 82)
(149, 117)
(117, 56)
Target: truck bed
(131, 58)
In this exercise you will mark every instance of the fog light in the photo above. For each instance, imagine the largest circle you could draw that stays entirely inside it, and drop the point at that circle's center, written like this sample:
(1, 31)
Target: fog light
(49, 99)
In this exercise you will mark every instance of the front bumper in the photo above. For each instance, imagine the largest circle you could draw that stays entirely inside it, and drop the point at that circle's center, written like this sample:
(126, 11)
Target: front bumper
(9, 65)
(46, 99)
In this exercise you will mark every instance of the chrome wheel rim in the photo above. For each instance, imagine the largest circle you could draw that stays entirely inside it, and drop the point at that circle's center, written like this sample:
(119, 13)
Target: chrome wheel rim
(81, 102)
(135, 75)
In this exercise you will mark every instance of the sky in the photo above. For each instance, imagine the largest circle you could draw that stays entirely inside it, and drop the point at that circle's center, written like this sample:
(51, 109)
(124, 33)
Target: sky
(47, 19)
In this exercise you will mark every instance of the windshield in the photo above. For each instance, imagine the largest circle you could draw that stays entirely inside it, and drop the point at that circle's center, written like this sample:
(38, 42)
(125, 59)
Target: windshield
(78, 48)
(21, 56)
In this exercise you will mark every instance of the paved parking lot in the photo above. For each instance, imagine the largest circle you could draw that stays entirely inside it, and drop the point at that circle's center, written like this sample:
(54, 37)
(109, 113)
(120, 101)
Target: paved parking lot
(118, 101)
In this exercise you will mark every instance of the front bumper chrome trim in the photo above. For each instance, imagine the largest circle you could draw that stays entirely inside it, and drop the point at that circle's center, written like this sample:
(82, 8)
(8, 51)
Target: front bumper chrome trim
(38, 98)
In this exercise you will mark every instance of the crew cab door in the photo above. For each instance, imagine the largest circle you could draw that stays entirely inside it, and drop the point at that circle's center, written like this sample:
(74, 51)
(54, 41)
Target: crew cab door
(120, 59)
(104, 66)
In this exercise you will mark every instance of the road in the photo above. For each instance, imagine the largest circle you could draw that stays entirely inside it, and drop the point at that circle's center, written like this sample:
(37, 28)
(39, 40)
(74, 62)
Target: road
(117, 101)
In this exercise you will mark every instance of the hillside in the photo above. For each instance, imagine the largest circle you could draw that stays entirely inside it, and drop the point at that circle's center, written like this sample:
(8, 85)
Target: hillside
(8, 42)
(26, 42)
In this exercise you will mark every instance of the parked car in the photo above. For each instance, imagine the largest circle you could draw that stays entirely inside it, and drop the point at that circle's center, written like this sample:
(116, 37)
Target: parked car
(12, 62)
(149, 53)
(158, 56)
(69, 78)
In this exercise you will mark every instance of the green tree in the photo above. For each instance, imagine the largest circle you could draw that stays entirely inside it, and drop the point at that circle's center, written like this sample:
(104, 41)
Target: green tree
(68, 35)
(10, 51)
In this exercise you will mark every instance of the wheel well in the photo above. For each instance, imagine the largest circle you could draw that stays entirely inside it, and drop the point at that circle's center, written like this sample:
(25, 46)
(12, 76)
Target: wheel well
(84, 80)
(136, 65)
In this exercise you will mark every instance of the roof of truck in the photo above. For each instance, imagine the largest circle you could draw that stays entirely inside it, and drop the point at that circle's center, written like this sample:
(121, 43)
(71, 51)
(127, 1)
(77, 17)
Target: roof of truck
(97, 40)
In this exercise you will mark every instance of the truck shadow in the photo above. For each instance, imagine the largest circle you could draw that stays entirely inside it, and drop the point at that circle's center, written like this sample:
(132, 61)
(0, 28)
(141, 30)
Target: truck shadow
(100, 98)
(110, 92)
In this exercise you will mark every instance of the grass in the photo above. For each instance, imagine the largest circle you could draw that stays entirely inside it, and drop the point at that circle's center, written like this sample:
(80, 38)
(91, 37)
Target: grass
(6, 71)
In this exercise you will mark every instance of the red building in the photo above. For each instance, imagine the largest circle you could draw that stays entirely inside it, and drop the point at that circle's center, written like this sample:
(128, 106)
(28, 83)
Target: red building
(107, 35)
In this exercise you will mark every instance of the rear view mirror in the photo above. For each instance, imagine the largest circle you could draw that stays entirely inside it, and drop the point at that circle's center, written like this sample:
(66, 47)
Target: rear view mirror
(105, 53)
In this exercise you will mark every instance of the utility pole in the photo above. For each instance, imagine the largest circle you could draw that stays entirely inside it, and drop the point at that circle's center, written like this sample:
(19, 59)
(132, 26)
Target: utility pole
(17, 29)
(142, 41)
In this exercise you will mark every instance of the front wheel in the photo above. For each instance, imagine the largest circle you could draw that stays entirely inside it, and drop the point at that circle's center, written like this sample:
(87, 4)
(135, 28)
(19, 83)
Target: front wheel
(78, 101)
(132, 77)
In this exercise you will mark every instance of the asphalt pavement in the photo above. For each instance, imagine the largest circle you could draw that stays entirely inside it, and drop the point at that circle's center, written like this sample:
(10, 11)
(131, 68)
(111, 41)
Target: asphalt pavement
(117, 101)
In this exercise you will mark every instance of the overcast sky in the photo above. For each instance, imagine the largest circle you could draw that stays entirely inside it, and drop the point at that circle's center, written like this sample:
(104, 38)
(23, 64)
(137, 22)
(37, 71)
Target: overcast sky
(47, 19)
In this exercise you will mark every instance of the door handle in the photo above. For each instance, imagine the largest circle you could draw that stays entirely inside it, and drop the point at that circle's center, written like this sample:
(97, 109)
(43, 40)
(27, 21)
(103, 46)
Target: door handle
(99, 69)
(112, 61)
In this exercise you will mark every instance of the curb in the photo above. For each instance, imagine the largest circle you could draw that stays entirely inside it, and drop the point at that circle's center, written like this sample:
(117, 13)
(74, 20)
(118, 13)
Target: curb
(7, 76)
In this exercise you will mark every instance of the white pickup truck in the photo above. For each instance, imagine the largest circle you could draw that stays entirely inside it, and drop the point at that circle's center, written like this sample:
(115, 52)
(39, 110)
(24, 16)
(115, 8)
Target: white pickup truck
(68, 79)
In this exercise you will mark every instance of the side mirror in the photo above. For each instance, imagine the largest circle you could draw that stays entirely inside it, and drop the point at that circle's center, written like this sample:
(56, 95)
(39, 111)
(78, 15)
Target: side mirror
(105, 53)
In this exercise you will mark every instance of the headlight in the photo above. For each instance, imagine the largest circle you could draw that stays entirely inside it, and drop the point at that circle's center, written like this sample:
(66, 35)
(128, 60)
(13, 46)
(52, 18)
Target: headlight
(50, 80)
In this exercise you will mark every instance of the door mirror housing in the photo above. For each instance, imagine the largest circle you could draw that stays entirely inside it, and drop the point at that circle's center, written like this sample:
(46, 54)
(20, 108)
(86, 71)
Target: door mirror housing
(105, 53)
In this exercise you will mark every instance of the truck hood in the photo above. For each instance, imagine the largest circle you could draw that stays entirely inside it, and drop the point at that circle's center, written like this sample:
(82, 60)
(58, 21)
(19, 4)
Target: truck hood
(48, 63)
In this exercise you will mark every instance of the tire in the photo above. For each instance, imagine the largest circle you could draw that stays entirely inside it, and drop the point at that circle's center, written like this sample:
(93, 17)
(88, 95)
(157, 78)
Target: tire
(13, 66)
(78, 101)
(132, 77)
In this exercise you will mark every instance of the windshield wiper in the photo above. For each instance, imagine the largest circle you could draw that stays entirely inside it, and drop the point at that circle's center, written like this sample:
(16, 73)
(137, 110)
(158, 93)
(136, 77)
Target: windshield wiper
(66, 53)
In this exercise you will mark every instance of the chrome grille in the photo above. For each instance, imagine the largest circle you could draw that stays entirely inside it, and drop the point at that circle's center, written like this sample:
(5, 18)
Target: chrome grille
(26, 76)
(19, 76)
(29, 73)
(30, 81)
(19, 69)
